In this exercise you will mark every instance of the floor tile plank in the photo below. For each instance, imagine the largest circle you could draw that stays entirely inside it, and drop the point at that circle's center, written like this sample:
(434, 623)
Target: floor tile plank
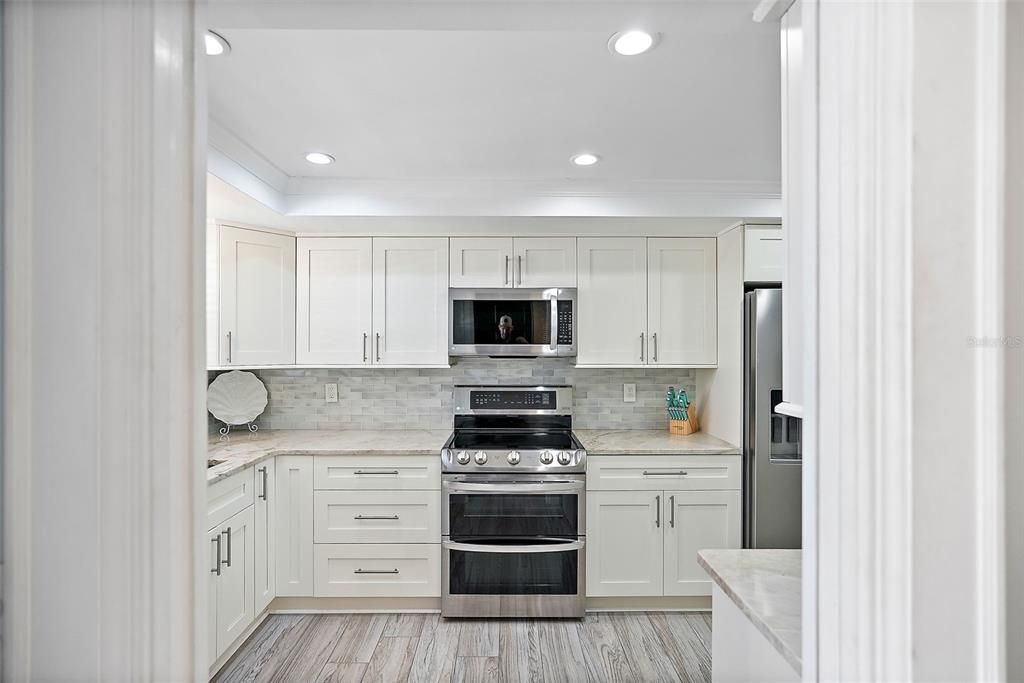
(602, 652)
(258, 649)
(519, 651)
(341, 672)
(646, 656)
(360, 637)
(479, 638)
(391, 661)
(561, 651)
(314, 650)
(405, 625)
(689, 656)
(436, 652)
(476, 670)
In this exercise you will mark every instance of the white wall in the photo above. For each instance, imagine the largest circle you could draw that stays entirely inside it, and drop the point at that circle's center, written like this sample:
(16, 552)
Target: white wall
(103, 426)
(720, 390)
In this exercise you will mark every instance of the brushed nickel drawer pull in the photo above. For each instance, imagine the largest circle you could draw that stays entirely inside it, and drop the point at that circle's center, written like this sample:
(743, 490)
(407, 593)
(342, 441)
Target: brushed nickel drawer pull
(657, 511)
(263, 495)
(376, 571)
(228, 534)
(376, 472)
(672, 511)
(680, 473)
(216, 568)
(364, 347)
(375, 517)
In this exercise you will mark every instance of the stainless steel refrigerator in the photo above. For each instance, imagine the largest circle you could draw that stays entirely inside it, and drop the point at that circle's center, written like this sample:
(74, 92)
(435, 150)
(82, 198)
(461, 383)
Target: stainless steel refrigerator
(771, 441)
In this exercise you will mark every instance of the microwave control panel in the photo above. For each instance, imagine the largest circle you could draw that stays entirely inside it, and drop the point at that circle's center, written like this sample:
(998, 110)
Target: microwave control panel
(565, 323)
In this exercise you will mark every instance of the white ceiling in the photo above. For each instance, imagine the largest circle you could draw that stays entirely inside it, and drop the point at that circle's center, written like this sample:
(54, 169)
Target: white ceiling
(483, 120)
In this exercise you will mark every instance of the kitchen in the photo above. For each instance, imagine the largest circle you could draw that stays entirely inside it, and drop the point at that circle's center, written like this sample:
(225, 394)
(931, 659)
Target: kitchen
(442, 340)
(501, 417)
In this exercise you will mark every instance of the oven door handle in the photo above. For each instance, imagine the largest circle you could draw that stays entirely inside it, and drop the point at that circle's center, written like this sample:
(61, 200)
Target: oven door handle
(543, 548)
(517, 487)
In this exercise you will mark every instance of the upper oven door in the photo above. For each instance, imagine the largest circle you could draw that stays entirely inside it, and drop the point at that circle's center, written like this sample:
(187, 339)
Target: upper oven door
(548, 507)
(504, 322)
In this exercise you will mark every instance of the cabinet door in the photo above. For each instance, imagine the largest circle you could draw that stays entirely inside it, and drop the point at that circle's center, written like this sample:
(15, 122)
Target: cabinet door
(293, 490)
(697, 520)
(545, 261)
(682, 300)
(764, 254)
(235, 594)
(265, 563)
(612, 297)
(211, 577)
(410, 301)
(480, 261)
(624, 539)
(334, 300)
(257, 297)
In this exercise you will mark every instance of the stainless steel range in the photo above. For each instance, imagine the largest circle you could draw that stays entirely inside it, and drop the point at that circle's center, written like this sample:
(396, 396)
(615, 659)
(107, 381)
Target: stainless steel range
(514, 528)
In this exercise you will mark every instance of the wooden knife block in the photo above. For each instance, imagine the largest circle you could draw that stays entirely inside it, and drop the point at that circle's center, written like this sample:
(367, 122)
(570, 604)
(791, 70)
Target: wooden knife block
(687, 426)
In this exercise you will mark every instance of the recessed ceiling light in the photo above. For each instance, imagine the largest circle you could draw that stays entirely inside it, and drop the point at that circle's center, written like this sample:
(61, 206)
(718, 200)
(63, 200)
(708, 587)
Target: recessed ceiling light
(216, 45)
(631, 43)
(585, 159)
(319, 158)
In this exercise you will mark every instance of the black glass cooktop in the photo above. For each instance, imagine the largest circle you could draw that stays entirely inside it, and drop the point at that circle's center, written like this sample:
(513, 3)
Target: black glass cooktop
(518, 440)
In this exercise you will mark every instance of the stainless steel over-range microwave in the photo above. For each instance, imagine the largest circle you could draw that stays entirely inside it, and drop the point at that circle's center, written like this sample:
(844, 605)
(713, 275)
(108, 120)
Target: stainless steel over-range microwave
(512, 322)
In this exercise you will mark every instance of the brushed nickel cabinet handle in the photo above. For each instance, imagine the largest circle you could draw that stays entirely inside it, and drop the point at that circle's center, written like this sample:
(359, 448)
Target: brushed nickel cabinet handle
(672, 511)
(376, 571)
(680, 473)
(375, 517)
(376, 472)
(657, 511)
(654, 347)
(378, 347)
(508, 267)
(520, 260)
(216, 567)
(228, 534)
(364, 347)
(641, 347)
(229, 347)
(264, 494)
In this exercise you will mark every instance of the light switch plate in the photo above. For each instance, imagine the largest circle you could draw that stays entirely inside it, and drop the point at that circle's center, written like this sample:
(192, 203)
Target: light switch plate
(331, 393)
(629, 393)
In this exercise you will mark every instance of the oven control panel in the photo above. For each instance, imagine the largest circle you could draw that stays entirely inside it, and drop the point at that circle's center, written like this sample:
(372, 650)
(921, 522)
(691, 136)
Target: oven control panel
(504, 399)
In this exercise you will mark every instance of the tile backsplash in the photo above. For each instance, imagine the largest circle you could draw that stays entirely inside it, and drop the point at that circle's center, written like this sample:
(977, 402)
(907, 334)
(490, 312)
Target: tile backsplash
(380, 398)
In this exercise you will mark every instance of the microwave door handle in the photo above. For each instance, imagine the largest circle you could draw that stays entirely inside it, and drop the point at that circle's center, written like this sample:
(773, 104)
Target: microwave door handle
(550, 487)
(545, 548)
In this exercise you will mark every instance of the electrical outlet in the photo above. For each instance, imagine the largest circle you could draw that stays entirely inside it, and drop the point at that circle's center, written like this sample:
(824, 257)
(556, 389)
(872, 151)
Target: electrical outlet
(629, 393)
(331, 393)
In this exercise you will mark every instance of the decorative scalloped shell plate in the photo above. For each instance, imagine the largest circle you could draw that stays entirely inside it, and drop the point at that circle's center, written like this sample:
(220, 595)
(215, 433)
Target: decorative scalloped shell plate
(236, 397)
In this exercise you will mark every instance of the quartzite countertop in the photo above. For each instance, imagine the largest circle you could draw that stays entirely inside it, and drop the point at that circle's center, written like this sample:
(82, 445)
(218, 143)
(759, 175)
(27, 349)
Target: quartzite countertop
(242, 448)
(651, 442)
(766, 586)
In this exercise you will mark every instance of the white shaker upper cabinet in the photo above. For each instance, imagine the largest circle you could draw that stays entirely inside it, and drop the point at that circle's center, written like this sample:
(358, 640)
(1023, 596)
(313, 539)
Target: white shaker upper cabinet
(764, 253)
(410, 301)
(257, 297)
(545, 261)
(612, 295)
(335, 301)
(481, 261)
(682, 301)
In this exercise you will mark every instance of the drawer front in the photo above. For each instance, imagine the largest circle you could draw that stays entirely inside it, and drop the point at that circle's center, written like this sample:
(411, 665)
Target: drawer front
(228, 497)
(365, 570)
(377, 472)
(377, 517)
(662, 472)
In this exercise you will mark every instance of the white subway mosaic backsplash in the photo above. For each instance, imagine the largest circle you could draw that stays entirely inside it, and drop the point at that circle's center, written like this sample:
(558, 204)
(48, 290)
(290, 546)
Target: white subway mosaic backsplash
(422, 398)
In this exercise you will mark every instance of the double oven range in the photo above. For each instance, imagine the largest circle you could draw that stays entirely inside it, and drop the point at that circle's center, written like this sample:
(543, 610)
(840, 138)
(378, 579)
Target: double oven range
(514, 527)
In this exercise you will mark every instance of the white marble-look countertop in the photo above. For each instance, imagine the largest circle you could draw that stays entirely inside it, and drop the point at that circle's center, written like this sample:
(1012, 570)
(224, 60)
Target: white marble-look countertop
(766, 586)
(242, 449)
(651, 442)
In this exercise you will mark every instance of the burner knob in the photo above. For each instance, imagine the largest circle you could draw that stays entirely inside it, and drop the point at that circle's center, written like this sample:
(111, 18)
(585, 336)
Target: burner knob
(547, 457)
(513, 457)
(462, 457)
(480, 457)
(564, 457)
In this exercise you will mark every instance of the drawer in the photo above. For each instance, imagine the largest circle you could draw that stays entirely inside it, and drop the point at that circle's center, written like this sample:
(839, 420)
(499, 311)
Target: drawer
(663, 472)
(382, 571)
(377, 517)
(228, 497)
(377, 472)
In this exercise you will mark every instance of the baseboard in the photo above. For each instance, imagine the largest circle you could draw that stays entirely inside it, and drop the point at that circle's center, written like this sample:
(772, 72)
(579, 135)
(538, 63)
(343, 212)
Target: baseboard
(230, 652)
(688, 603)
(353, 605)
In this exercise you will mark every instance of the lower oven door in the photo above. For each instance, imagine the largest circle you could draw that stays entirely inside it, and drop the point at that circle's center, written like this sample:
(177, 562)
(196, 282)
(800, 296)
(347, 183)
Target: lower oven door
(538, 577)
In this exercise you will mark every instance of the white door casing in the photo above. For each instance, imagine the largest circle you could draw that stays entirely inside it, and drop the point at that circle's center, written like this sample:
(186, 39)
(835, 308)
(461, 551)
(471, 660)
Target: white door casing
(334, 300)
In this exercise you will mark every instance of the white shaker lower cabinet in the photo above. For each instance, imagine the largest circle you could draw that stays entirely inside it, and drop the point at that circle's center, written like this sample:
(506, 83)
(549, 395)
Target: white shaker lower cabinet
(256, 297)
(612, 295)
(697, 520)
(410, 301)
(232, 591)
(643, 537)
(334, 300)
(293, 490)
(682, 300)
(265, 564)
(624, 543)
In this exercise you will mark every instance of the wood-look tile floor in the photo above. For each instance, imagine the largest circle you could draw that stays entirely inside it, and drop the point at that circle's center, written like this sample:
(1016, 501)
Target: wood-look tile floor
(605, 646)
